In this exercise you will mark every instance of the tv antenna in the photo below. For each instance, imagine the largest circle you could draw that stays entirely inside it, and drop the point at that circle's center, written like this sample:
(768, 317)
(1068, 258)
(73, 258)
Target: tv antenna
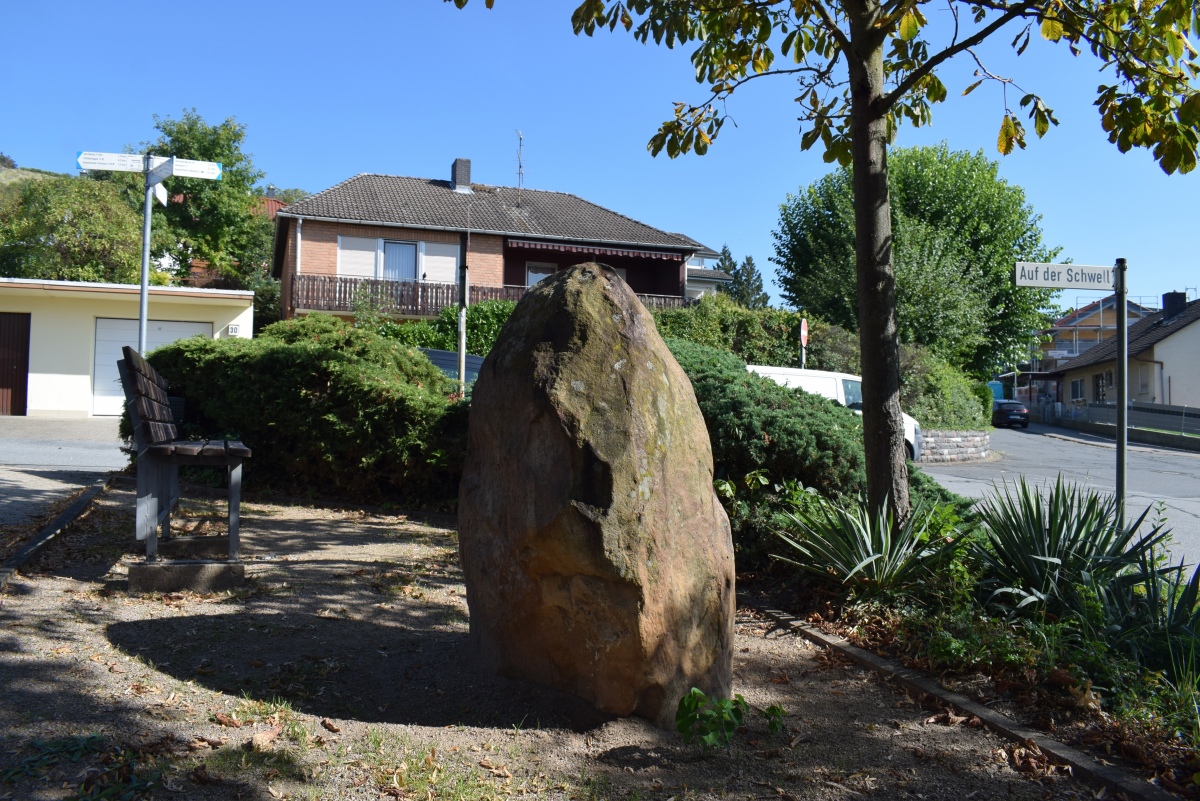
(520, 165)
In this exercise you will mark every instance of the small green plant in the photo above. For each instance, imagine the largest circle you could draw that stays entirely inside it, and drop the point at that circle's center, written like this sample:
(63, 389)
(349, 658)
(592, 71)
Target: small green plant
(869, 551)
(774, 715)
(712, 720)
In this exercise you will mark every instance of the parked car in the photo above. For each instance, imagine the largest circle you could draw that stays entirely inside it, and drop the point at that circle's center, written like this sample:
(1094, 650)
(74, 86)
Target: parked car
(844, 388)
(1010, 413)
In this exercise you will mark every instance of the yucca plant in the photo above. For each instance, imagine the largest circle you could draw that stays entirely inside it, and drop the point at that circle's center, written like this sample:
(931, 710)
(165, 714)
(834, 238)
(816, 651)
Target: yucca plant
(1152, 612)
(869, 551)
(1053, 552)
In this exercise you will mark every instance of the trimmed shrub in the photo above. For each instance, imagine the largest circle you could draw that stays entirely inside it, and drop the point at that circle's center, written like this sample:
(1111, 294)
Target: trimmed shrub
(758, 336)
(771, 443)
(756, 424)
(325, 407)
(484, 321)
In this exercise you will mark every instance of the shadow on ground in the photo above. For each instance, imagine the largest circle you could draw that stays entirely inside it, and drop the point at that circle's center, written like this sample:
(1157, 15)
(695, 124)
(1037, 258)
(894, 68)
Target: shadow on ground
(329, 667)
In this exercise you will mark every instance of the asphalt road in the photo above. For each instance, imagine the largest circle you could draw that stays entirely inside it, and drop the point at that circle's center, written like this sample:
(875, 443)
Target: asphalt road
(42, 460)
(1042, 453)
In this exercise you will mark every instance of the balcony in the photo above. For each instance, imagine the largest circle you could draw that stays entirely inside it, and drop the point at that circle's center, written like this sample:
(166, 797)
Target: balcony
(340, 294)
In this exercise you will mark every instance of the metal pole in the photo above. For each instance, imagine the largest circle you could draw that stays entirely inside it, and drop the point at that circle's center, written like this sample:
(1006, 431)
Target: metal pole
(1122, 387)
(464, 288)
(144, 300)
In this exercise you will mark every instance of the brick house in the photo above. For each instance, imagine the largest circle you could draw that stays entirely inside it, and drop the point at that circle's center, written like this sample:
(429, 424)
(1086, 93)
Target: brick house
(399, 242)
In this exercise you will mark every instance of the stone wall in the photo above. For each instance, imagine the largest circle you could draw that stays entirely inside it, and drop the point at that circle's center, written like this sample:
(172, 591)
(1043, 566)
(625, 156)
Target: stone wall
(954, 446)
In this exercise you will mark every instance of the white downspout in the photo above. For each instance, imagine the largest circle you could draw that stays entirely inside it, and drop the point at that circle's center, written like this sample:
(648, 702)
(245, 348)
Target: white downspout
(299, 241)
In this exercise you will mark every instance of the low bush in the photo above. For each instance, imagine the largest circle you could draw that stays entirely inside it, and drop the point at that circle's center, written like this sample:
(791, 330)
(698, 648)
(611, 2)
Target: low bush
(869, 552)
(771, 444)
(939, 395)
(1056, 552)
(325, 407)
(484, 321)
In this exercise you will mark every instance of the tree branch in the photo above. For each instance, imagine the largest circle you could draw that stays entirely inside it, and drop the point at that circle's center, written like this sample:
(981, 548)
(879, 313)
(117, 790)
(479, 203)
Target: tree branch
(827, 18)
(1015, 12)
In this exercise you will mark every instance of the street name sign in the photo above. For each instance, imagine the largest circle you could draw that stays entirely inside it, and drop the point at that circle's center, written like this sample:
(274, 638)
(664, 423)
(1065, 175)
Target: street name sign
(1064, 276)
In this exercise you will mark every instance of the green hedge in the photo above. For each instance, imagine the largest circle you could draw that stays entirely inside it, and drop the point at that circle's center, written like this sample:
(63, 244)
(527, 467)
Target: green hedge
(940, 396)
(484, 321)
(766, 438)
(326, 408)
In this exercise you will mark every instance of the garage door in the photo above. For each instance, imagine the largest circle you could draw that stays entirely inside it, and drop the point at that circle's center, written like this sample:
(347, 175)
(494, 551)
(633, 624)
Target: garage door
(111, 336)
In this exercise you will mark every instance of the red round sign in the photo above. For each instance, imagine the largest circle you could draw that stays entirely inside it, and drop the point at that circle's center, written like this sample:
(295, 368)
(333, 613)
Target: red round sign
(804, 333)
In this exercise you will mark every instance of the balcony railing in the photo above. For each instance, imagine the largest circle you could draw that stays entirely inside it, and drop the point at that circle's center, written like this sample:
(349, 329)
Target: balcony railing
(335, 293)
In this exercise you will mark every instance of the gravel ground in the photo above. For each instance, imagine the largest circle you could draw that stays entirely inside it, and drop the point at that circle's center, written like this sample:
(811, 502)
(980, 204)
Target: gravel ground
(344, 671)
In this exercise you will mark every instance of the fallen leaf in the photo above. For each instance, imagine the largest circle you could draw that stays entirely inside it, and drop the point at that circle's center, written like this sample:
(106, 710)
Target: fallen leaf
(262, 740)
(329, 725)
(225, 720)
(274, 793)
(1061, 678)
(200, 775)
(1085, 697)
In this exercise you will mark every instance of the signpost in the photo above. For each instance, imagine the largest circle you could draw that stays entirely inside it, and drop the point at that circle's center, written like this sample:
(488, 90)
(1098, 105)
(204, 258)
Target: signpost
(1078, 276)
(803, 342)
(156, 169)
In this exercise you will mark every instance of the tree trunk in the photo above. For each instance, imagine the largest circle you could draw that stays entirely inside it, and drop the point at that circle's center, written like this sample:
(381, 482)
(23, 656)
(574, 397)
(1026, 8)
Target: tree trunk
(883, 424)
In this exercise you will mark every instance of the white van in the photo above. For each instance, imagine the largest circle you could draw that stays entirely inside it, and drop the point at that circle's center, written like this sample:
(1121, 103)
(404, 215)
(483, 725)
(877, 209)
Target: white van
(844, 388)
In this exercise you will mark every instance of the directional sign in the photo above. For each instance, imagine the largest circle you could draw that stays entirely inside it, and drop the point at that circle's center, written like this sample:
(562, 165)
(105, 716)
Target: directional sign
(1064, 276)
(187, 168)
(120, 162)
(160, 192)
(164, 170)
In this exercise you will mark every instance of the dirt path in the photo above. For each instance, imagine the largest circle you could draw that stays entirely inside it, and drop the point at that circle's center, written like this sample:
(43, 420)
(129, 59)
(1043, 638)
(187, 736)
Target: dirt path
(347, 663)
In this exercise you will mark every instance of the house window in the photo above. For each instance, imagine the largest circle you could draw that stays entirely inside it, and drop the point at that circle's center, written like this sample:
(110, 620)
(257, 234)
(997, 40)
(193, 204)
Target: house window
(536, 271)
(356, 256)
(399, 261)
(1077, 389)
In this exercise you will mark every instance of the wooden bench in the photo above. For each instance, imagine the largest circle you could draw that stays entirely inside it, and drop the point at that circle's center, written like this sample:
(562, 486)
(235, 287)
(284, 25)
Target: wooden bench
(160, 454)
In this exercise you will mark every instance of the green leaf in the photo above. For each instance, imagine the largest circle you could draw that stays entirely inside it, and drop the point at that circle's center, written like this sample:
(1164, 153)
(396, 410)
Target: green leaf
(972, 87)
(1174, 43)
(1052, 29)
(910, 26)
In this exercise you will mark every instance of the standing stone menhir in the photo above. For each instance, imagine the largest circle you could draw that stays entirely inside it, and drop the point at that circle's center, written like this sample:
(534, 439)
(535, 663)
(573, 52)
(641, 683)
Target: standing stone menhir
(597, 557)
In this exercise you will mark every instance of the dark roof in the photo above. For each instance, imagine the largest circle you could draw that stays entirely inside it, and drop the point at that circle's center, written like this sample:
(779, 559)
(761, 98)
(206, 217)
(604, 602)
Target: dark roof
(430, 204)
(710, 275)
(1143, 334)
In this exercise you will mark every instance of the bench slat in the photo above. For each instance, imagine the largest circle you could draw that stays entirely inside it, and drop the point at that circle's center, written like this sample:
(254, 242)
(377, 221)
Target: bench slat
(152, 411)
(189, 447)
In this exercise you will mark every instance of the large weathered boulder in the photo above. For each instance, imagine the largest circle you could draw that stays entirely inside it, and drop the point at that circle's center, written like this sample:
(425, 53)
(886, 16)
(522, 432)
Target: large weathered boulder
(596, 555)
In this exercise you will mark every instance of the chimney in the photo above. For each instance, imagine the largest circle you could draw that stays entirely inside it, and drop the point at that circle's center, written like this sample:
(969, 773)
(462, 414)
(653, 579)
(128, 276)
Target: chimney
(1173, 304)
(460, 175)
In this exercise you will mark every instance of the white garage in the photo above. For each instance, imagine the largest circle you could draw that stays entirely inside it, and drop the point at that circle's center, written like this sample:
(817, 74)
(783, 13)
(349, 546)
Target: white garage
(76, 331)
(111, 336)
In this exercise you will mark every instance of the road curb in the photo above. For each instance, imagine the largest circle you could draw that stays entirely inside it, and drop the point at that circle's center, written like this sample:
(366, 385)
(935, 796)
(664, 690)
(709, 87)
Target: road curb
(1083, 767)
(56, 527)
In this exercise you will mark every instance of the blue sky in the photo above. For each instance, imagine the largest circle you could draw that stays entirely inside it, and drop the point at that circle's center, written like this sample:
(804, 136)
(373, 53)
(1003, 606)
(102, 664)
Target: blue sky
(404, 87)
